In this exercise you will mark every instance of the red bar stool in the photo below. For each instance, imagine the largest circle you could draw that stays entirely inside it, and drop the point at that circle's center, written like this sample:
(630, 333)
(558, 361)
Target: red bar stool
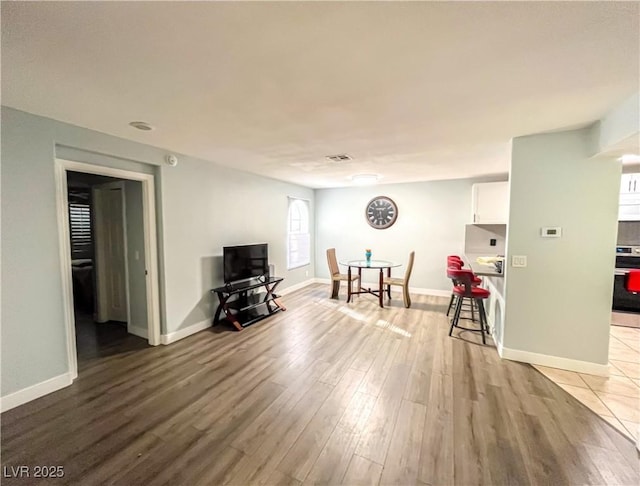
(466, 289)
(457, 264)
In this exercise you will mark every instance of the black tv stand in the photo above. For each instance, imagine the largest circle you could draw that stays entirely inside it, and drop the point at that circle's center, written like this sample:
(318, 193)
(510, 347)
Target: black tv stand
(246, 302)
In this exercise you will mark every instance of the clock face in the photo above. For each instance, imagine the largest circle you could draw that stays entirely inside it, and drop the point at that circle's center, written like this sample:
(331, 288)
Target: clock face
(381, 212)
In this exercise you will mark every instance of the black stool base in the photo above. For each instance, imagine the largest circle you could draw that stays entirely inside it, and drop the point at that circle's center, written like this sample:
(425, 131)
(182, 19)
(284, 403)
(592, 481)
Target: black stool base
(484, 328)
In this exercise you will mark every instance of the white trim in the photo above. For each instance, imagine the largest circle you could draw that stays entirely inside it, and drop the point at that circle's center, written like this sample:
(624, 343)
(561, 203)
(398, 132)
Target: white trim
(142, 332)
(172, 337)
(554, 361)
(151, 259)
(62, 207)
(150, 243)
(412, 290)
(35, 391)
(298, 286)
(435, 292)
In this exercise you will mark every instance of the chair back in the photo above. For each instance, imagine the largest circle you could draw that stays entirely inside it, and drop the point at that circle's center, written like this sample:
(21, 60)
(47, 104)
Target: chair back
(632, 281)
(453, 266)
(407, 274)
(463, 278)
(332, 261)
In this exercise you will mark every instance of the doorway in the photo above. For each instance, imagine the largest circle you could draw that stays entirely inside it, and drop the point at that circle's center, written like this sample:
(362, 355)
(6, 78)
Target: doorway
(107, 265)
(109, 260)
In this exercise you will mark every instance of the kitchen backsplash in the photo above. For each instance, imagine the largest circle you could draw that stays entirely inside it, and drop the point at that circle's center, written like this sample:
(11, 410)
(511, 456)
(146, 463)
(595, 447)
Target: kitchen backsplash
(628, 233)
(478, 238)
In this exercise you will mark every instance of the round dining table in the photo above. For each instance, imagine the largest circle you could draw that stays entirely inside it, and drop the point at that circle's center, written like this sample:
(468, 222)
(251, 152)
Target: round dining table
(379, 265)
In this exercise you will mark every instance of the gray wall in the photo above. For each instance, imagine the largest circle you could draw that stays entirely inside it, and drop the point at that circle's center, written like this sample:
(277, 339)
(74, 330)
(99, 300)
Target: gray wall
(431, 221)
(201, 207)
(207, 207)
(136, 257)
(560, 304)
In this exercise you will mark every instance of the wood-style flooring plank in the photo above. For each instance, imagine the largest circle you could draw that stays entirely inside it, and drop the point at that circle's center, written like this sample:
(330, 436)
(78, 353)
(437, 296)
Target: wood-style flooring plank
(325, 393)
(362, 472)
(402, 463)
(304, 452)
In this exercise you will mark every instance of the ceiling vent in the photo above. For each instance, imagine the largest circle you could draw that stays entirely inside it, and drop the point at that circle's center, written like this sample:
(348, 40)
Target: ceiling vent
(339, 158)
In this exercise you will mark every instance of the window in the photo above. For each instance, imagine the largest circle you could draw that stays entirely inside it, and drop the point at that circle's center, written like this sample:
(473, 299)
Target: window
(80, 225)
(299, 239)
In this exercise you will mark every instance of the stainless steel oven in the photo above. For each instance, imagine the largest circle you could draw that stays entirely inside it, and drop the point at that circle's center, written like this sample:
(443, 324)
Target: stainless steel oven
(627, 257)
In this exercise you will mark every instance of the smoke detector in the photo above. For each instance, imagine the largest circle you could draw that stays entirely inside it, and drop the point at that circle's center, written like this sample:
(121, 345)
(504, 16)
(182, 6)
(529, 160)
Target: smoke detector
(339, 158)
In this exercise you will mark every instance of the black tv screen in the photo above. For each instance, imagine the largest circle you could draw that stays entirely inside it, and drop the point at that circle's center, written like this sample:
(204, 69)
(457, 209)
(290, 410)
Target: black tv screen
(245, 262)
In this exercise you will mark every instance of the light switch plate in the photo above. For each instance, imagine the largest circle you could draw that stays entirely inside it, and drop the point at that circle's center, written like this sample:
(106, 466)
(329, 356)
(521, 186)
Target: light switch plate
(518, 261)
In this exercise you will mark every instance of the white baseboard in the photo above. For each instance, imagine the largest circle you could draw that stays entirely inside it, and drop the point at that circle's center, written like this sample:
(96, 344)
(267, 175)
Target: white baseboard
(142, 332)
(172, 337)
(554, 361)
(412, 290)
(435, 292)
(35, 391)
(297, 286)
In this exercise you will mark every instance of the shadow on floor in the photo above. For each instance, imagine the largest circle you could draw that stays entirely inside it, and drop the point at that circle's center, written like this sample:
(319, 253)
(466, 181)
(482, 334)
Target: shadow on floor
(99, 340)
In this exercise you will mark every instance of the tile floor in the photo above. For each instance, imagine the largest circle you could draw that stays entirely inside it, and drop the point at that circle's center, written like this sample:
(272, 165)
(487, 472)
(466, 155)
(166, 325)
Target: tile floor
(615, 398)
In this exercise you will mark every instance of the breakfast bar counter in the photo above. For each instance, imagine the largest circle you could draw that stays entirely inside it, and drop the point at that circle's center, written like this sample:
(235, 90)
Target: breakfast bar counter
(493, 281)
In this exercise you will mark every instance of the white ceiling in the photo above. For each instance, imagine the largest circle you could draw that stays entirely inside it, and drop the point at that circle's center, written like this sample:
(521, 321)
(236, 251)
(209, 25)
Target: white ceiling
(411, 90)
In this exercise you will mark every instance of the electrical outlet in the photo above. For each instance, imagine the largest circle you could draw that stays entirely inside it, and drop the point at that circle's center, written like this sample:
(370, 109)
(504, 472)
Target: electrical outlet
(518, 261)
(492, 242)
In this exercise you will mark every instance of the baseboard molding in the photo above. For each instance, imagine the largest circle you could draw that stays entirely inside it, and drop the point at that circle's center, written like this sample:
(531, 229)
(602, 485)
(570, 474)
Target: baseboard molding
(435, 292)
(35, 391)
(172, 337)
(142, 332)
(297, 286)
(412, 290)
(554, 361)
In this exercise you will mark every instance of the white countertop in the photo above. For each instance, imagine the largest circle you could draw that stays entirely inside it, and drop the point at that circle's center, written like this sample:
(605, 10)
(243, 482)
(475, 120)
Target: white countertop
(481, 270)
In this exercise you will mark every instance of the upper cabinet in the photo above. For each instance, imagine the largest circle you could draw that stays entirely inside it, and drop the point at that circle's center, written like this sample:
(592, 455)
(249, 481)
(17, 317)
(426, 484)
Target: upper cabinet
(490, 203)
(629, 208)
(630, 184)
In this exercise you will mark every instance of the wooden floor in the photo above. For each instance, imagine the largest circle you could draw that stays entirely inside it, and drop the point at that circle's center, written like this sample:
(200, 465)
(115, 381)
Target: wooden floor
(324, 393)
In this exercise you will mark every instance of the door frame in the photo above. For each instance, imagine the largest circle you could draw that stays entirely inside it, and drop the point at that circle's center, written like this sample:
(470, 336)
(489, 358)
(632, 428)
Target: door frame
(150, 247)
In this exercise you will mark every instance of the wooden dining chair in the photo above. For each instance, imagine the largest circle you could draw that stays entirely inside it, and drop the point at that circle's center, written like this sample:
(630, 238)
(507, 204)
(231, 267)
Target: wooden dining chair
(402, 282)
(336, 276)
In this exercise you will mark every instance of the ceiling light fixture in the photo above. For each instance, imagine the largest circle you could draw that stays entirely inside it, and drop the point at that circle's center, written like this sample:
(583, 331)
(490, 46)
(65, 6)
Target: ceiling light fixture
(364, 179)
(140, 125)
(630, 159)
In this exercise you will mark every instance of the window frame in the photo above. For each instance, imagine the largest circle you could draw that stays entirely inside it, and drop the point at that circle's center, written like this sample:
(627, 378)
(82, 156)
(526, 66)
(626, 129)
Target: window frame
(300, 236)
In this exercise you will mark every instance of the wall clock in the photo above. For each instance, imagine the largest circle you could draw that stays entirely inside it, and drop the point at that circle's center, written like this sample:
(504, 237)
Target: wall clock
(381, 212)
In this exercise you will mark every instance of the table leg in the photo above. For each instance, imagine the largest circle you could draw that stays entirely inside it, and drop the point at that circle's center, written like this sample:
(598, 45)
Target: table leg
(389, 287)
(348, 284)
(381, 292)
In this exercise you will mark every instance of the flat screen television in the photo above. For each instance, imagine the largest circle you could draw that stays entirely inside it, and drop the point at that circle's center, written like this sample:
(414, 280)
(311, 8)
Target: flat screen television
(245, 262)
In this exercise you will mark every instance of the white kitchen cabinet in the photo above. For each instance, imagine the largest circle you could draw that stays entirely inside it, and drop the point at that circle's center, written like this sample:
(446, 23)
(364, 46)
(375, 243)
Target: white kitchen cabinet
(630, 184)
(629, 208)
(490, 203)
